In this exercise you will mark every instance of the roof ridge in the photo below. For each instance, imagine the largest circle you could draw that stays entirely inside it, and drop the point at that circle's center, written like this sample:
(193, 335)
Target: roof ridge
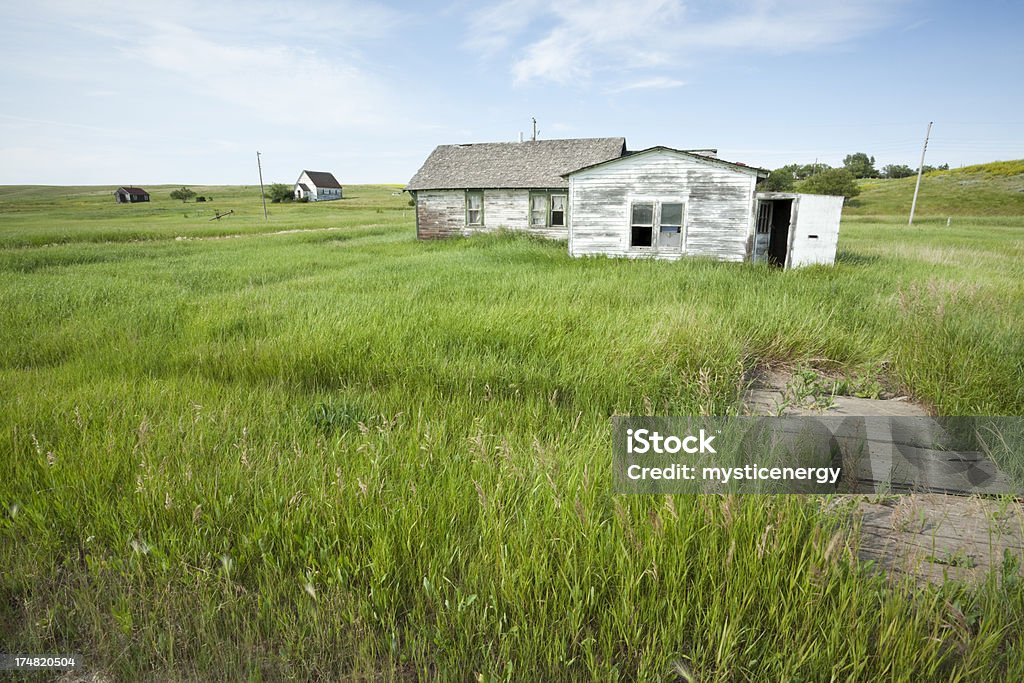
(531, 164)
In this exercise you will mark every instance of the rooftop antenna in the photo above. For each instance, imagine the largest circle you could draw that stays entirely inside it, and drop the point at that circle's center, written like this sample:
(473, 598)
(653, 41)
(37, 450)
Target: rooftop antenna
(534, 128)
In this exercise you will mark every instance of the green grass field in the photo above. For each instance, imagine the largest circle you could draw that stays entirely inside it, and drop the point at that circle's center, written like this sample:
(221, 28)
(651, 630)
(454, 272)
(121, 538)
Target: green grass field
(343, 453)
(995, 189)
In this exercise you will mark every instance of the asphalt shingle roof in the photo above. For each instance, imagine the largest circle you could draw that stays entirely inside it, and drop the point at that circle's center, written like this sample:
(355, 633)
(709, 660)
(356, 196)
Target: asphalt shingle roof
(323, 179)
(530, 164)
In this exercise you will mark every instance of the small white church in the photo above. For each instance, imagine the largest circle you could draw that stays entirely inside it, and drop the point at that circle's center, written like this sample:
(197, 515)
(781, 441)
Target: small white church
(317, 186)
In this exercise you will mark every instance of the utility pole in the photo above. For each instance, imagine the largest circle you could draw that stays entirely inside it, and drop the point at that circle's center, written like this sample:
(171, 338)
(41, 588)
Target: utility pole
(534, 128)
(920, 171)
(260, 167)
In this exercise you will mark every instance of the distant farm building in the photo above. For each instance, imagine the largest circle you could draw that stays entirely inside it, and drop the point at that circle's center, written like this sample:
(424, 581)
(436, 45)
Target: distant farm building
(130, 195)
(604, 200)
(317, 186)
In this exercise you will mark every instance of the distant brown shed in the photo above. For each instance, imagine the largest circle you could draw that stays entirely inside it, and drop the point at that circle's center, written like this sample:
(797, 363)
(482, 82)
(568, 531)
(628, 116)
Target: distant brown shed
(130, 195)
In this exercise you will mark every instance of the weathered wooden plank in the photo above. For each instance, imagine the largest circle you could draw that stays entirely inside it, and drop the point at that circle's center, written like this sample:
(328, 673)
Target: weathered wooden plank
(932, 537)
(442, 213)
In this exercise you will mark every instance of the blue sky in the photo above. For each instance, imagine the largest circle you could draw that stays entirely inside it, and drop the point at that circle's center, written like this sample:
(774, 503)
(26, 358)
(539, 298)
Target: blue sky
(110, 92)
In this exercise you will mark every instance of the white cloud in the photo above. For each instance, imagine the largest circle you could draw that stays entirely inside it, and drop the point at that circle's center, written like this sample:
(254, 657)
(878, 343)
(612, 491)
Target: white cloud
(280, 83)
(578, 36)
(572, 41)
(293, 64)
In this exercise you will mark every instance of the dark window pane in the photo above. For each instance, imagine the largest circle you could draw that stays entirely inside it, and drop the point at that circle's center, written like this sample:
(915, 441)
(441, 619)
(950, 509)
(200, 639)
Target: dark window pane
(671, 214)
(558, 218)
(643, 214)
(641, 236)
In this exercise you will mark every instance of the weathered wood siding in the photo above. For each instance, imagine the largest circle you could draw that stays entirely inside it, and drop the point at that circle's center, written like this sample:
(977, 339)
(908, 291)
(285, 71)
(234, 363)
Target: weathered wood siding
(719, 205)
(506, 209)
(442, 213)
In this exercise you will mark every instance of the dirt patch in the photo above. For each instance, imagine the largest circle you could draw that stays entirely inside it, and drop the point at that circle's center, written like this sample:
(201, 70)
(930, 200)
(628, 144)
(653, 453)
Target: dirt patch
(809, 391)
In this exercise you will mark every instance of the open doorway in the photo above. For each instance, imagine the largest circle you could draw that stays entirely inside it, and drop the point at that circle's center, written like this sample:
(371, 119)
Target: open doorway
(778, 243)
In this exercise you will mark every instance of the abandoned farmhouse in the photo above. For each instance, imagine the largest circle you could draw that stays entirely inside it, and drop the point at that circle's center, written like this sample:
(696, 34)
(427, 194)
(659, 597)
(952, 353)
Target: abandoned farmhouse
(658, 202)
(130, 195)
(317, 186)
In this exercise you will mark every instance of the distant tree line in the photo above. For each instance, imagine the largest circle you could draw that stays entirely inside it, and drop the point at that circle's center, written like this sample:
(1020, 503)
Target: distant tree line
(823, 179)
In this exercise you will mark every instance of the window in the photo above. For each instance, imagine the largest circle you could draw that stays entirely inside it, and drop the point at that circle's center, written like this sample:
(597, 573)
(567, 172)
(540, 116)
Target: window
(475, 208)
(764, 218)
(671, 217)
(538, 210)
(670, 227)
(557, 211)
(641, 233)
(548, 209)
(657, 225)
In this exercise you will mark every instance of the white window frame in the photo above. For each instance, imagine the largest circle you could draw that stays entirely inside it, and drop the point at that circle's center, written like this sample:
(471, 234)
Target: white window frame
(656, 226)
(479, 193)
(538, 194)
(629, 223)
(565, 210)
(682, 223)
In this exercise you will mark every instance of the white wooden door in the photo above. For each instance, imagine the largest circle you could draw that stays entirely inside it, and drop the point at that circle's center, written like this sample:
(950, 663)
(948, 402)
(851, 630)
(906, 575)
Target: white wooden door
(815, 230)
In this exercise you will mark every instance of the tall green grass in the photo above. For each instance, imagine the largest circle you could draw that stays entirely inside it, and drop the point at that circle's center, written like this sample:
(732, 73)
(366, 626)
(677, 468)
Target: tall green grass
(350, 454)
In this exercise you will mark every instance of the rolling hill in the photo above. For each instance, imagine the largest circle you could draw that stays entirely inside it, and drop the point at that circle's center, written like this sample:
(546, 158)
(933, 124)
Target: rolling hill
(993, 189)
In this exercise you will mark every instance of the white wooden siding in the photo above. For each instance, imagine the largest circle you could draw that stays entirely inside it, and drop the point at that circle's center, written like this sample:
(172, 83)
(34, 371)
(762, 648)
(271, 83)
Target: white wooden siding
(719, 217)
(506, 209)
(815, 230)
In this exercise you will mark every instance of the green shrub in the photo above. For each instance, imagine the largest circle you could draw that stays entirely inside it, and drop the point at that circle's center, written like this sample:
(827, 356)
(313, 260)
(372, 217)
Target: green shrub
(183, 193)
(279, 192)
(833, 181)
